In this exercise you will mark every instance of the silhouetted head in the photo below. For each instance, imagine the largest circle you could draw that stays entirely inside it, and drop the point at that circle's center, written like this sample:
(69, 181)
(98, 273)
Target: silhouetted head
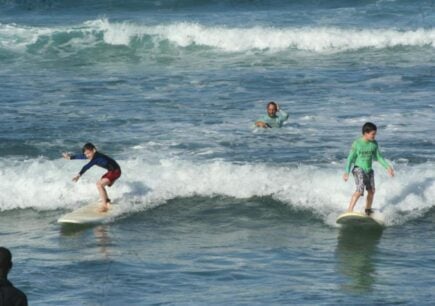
(5, 261)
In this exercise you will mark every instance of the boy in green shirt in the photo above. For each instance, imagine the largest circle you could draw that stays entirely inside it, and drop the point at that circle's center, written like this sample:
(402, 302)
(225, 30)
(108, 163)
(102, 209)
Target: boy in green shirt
(363, 151)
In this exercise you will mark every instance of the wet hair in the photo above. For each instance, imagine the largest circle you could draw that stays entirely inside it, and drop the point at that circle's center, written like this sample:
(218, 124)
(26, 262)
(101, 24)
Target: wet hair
(5, 260)
(88, 146)
(369, 127)
(272, 103)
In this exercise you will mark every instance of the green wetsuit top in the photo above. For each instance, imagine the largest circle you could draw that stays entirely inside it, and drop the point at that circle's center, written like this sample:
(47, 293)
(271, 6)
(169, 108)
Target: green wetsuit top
(362, 154)
(275, 121)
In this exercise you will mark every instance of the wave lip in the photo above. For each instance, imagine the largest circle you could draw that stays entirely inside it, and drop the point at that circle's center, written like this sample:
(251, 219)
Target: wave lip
(220, 38)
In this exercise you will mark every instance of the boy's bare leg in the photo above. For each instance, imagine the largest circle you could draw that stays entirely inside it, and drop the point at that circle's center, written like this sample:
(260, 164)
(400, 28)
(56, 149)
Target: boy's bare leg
(353, 200)
(369, 201)
(101, 184)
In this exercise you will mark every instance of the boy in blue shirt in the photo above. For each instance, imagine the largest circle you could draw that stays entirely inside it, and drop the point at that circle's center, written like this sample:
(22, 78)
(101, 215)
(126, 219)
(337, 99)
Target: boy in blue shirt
(96, 158)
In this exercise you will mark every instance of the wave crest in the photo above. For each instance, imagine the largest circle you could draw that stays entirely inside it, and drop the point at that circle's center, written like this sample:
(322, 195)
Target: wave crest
(219, 38)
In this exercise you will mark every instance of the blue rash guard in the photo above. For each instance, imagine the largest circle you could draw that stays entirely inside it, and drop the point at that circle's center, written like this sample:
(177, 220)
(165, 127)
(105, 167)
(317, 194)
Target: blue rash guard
(100, 160)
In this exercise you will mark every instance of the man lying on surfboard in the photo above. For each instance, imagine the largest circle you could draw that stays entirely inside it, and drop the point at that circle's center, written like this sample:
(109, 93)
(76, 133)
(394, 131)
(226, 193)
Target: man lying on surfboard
(96, 158)
(363, 151)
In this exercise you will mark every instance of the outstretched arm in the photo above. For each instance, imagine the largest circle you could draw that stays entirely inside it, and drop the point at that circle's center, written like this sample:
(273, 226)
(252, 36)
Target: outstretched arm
(383, 162)
(70, 156)
(78, 156)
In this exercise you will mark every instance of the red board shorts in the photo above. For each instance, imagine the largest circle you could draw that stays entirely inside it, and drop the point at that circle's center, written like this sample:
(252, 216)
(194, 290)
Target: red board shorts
(112, 176)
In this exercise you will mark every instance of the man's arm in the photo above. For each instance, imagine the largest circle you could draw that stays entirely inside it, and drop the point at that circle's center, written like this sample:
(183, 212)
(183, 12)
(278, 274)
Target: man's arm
(261, 122)
(282, 115)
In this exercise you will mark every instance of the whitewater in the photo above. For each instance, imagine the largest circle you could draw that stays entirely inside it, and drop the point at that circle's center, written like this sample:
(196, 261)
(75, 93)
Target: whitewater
(45, 185)
(226, 39)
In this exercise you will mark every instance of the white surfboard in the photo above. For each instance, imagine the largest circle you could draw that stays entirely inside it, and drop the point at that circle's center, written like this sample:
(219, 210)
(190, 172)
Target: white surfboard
(90, 214)
(359, 218)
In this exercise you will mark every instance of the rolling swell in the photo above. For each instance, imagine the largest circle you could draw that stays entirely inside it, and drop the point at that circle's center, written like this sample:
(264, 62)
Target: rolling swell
(167, 4)
(103, 40)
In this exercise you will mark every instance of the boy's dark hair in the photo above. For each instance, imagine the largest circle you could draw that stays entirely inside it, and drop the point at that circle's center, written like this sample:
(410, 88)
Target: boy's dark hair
(88, 146)
(272, 103)
(369, 127)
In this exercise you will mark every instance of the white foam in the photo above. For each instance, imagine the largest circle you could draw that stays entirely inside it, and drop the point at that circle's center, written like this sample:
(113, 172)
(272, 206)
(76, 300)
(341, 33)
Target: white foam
(17, 38)
(318, 39)
(224, 38)
(45, 185)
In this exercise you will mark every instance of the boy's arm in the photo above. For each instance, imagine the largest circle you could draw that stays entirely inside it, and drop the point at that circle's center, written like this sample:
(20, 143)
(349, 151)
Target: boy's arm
(73, 156)
(350, 159)
(379, 157)
(383, 162)
(84, 169)
(77, 156)
(87, 167)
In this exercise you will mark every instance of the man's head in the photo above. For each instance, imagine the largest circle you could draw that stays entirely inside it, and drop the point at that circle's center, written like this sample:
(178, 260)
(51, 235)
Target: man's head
(5, 261)
(89, 150)
(272, 108)
(369, 131)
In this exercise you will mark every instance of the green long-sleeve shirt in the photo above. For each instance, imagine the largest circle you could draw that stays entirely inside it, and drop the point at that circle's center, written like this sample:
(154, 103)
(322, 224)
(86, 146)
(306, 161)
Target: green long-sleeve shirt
(275, 121)
(362, 154)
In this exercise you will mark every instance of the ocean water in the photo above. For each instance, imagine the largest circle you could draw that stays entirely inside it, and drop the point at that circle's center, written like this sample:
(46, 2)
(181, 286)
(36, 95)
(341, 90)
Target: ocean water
(216, 211)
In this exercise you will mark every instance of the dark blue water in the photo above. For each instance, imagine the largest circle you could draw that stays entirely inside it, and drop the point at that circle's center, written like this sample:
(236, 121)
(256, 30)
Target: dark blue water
(214, 210)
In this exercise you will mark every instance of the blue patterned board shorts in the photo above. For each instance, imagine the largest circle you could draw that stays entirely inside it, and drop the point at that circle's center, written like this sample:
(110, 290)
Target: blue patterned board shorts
(363, 179)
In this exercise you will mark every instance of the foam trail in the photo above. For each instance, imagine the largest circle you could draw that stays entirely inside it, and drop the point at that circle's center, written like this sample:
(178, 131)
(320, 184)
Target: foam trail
(45, 185)
(220, 38)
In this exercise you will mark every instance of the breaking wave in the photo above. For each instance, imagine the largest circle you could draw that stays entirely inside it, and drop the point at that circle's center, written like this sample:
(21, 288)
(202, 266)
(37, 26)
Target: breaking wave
(44, 184)
(102, 33)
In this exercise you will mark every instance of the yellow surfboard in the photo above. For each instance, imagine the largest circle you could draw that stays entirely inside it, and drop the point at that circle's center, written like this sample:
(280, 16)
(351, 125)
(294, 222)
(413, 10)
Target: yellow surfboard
(90, 214)
(361, 219)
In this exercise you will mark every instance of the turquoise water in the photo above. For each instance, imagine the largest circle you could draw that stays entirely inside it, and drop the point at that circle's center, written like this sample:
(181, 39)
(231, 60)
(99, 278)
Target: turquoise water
(214, 210)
